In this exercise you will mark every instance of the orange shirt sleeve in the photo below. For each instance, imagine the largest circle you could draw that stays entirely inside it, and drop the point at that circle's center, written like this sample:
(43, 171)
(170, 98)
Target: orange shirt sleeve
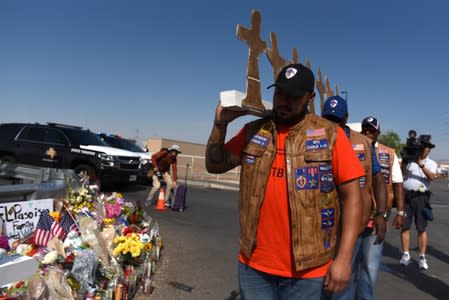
(235, 144)
(345, 164)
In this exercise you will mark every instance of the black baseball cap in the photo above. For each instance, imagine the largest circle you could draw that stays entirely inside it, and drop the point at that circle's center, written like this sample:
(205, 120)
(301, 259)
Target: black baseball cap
(294, 80)
(371, 122)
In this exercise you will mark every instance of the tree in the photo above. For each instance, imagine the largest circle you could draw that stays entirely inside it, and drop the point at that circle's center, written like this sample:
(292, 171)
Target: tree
(392, 140)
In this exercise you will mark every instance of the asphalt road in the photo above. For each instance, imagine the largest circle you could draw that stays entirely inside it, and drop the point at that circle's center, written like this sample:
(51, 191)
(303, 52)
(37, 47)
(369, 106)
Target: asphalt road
(201, 246)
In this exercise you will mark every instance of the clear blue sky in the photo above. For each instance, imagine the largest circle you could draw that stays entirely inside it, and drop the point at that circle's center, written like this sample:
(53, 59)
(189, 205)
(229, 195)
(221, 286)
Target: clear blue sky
(156, 68)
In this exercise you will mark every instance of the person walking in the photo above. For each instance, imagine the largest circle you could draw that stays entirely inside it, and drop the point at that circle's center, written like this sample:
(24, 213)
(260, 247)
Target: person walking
(162, 161)
(299, 192)
(368, 251)
(418, 176)
(391, 170)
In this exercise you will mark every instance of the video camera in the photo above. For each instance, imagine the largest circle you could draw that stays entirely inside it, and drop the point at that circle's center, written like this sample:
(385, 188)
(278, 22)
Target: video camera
(412, 150)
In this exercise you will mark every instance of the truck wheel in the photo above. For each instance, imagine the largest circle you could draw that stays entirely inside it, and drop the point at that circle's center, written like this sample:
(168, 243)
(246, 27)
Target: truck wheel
(8, 159)
(83, 171)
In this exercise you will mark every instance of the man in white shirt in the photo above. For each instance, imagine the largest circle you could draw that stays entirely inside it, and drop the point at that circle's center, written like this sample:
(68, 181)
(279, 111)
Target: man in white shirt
(418, 175)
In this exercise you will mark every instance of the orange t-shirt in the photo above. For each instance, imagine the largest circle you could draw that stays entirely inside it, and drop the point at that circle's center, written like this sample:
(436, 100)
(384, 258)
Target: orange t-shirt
(273, 252)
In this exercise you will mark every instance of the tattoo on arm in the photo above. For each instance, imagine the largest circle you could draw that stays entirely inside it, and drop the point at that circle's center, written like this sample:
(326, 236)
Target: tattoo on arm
(216, 153)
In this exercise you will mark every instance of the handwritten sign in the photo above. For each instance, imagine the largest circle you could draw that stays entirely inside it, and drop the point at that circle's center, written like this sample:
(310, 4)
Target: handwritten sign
(20, 218)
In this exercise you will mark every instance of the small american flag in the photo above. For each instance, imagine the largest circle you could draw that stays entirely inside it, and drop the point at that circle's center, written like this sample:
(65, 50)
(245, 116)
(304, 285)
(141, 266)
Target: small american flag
(315, 132)
(46, 229)
(358, 147)
(68, 224)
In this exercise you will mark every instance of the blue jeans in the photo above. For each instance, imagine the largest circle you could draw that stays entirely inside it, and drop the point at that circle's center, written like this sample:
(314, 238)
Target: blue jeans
(365, 265)
(256, 285)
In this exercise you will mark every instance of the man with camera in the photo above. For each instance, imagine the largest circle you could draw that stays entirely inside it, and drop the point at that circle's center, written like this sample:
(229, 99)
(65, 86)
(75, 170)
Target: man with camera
(420, 170)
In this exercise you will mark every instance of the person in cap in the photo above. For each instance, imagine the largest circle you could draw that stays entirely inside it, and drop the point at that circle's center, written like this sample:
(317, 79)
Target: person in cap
(366, 256)
(391, 171)
(390, 168)
(162, 161)
(418, 176)
(299, 192)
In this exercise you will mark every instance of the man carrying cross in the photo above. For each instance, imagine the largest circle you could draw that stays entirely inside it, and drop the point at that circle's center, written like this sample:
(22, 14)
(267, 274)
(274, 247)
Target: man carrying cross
(299, 191)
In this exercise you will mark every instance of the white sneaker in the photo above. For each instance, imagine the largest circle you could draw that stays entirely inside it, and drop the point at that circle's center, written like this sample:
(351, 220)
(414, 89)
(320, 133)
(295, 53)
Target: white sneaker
(423, 263)
(405, 259)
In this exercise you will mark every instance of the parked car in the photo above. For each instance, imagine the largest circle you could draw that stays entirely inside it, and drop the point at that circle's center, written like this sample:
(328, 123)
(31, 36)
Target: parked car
(117, 141)
(67, 147)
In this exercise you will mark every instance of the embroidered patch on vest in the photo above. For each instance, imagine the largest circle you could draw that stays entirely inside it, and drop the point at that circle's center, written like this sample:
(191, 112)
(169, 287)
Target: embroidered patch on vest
(361, 156)
(385, 170)
(326, 178)
(362, 181)
(317, 144)
(259, 140)
(384, 156)
(327, 238)
(325, 200)
(358, 147)
(327, 218)
(306, 178)
(249, 160)
(315, 132)
(267, 127)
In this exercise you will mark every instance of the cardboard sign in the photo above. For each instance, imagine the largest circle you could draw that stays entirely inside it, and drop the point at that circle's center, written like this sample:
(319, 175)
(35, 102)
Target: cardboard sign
(20, 218)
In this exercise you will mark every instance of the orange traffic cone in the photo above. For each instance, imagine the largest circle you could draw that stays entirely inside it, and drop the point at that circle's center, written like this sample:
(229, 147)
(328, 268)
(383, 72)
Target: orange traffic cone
(160, 205)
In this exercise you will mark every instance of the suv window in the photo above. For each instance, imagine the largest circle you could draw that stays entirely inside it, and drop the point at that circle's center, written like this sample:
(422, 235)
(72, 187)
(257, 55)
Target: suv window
(32, 134)
(83, 137)
(122, 143)
(55, 136)
(43, 135)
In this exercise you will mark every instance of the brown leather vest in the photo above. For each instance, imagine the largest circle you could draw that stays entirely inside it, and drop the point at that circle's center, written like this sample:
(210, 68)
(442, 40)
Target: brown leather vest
(385, 155)
(313, 200)
(362, 147)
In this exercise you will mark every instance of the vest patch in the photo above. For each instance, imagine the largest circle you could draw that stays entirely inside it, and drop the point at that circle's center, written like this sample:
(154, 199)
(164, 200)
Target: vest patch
(315, 132)
(306, 178)
(317, 144)
(384, 156)
(361, 156)
(385, 170)
(327, 238)
(249, 160)
(358, 147)
(325, 200)
(259, 140)
(327, 218)
(326, 179)
(362, 181)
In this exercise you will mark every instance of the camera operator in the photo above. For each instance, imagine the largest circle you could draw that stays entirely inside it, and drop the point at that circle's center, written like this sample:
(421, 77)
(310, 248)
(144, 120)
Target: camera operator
(418, 175)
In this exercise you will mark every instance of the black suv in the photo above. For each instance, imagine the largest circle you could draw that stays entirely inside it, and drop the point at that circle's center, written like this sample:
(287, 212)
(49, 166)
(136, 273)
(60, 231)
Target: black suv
(117, 141)
(67, 147)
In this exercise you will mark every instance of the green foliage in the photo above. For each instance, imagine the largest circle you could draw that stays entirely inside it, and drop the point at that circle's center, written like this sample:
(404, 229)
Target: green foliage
(392, 140)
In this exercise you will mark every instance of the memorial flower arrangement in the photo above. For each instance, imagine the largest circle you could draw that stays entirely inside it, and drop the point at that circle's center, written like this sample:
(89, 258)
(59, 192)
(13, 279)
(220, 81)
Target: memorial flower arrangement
(102, 240)
(129, 249)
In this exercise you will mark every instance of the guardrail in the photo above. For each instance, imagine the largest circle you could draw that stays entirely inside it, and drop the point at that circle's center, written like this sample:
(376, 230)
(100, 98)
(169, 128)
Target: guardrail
(24, 182)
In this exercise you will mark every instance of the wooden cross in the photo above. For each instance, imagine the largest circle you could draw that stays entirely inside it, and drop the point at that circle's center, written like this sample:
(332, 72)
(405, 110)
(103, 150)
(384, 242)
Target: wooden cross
(295, 56)
(321, 89)
(276, 60)
(312, 104)
(329, 91)
(256, 46)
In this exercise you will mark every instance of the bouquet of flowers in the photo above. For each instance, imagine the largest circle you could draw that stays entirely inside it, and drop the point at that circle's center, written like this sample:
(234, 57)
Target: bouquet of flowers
(129, 249)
